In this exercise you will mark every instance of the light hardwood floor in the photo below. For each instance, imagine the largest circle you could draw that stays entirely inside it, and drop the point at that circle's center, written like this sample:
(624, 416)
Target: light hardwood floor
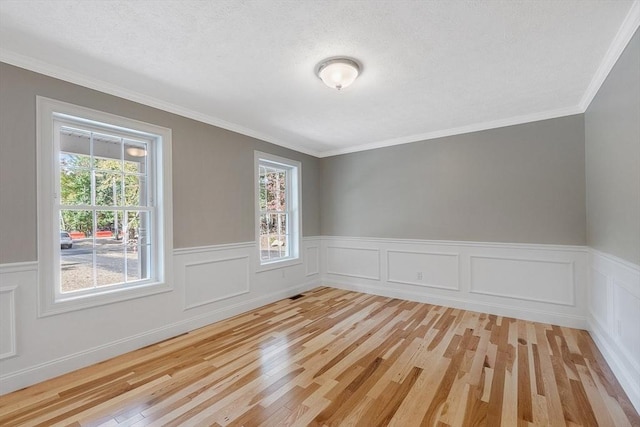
(334, 358)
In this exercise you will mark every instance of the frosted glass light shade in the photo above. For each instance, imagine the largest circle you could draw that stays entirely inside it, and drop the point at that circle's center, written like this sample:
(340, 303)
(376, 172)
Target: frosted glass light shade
(136, 151)
(338, 73)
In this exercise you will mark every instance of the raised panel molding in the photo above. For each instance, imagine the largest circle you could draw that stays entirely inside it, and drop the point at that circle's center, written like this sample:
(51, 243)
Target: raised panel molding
(361, 263)
(8, 346)
(627, 313)
(215, 280)
(600, 299)
(428, 269)
(312, 260)
(526, 279)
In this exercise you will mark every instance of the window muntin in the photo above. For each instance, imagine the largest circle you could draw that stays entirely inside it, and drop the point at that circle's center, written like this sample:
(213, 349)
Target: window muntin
(277, 209)
(107, 179)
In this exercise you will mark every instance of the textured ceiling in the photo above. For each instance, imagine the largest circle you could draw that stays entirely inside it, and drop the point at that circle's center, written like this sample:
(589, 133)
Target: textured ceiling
(430, 68)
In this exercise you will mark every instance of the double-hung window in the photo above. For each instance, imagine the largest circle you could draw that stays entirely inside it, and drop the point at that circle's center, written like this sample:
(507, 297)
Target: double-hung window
(104, 212)
(278, 209)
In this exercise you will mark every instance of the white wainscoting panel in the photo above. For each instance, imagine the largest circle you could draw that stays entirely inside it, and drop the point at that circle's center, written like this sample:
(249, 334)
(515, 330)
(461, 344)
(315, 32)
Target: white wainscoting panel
(8, 321)
(211, 283)
(614, 317)
(544, 283)
(215, 280)
(600, 299)
(548, 281)
(430, 269)
(312, 260)
(626, 314)
(17, 280)
(363, 263)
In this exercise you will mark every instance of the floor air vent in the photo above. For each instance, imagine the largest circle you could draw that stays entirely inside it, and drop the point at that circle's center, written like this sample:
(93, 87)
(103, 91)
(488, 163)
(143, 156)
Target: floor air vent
(295, 297)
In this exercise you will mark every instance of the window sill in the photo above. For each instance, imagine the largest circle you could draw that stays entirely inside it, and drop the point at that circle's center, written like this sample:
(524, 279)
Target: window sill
(52, 307)
(275, 265)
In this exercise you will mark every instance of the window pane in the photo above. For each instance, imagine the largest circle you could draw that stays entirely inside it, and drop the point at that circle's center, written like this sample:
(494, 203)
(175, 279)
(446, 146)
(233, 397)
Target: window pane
(283, 245)
(282, 223)
(276, 190)
(110, 265)
(69, 160)
(141, 222)
(264, 237)
(108, 229)
(75, 166)
(77, 222)
(76, 250)
(107, 152)
(138, 262)
(135, 157)
(108, 189)
(272, 222)
(282, 190)
(75, 147)
(271, 195)
(135, 190)
(75, 186)
(134, 268)
(76, 270)
(137, 254)
(271, 239)
(262, 186)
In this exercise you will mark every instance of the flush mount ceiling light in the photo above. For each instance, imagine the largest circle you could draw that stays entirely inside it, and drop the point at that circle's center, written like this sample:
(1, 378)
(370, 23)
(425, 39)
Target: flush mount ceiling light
(338, 73)
(136, 151)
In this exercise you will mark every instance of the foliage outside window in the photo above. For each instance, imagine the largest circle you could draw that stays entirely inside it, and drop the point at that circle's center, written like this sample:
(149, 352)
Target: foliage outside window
(104, 207)
(278, 208)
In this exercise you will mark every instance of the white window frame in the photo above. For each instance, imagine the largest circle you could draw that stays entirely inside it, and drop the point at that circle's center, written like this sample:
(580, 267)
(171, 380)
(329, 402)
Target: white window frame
(51, 301)
(294, 201)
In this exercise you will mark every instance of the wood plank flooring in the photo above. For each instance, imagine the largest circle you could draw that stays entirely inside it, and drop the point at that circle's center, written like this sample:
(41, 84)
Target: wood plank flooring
(342, 358)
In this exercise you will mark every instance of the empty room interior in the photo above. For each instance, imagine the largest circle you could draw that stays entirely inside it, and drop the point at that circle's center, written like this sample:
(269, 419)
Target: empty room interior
(270, 213)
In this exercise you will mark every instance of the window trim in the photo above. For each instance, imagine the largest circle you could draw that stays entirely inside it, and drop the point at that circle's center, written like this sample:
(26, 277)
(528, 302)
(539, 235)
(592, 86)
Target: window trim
(47, 187)
(295, 168)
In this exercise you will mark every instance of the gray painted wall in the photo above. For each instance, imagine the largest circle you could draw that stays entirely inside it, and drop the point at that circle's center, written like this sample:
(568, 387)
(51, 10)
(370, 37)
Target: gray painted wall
(612, 135)
(213, 193)
(521, 184)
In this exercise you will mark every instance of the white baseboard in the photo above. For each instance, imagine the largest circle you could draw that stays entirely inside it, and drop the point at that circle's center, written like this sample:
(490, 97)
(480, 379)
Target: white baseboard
(465, 304)
(43, 371)
(621, 368)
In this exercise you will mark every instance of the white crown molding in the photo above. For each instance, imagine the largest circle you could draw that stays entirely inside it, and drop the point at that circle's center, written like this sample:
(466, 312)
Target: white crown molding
(494, 124)
(620, 42)
(70, 76)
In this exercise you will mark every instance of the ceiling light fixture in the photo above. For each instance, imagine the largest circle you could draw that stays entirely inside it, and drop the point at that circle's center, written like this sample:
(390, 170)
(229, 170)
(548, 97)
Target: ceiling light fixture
(338, 73)
(136, 151)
